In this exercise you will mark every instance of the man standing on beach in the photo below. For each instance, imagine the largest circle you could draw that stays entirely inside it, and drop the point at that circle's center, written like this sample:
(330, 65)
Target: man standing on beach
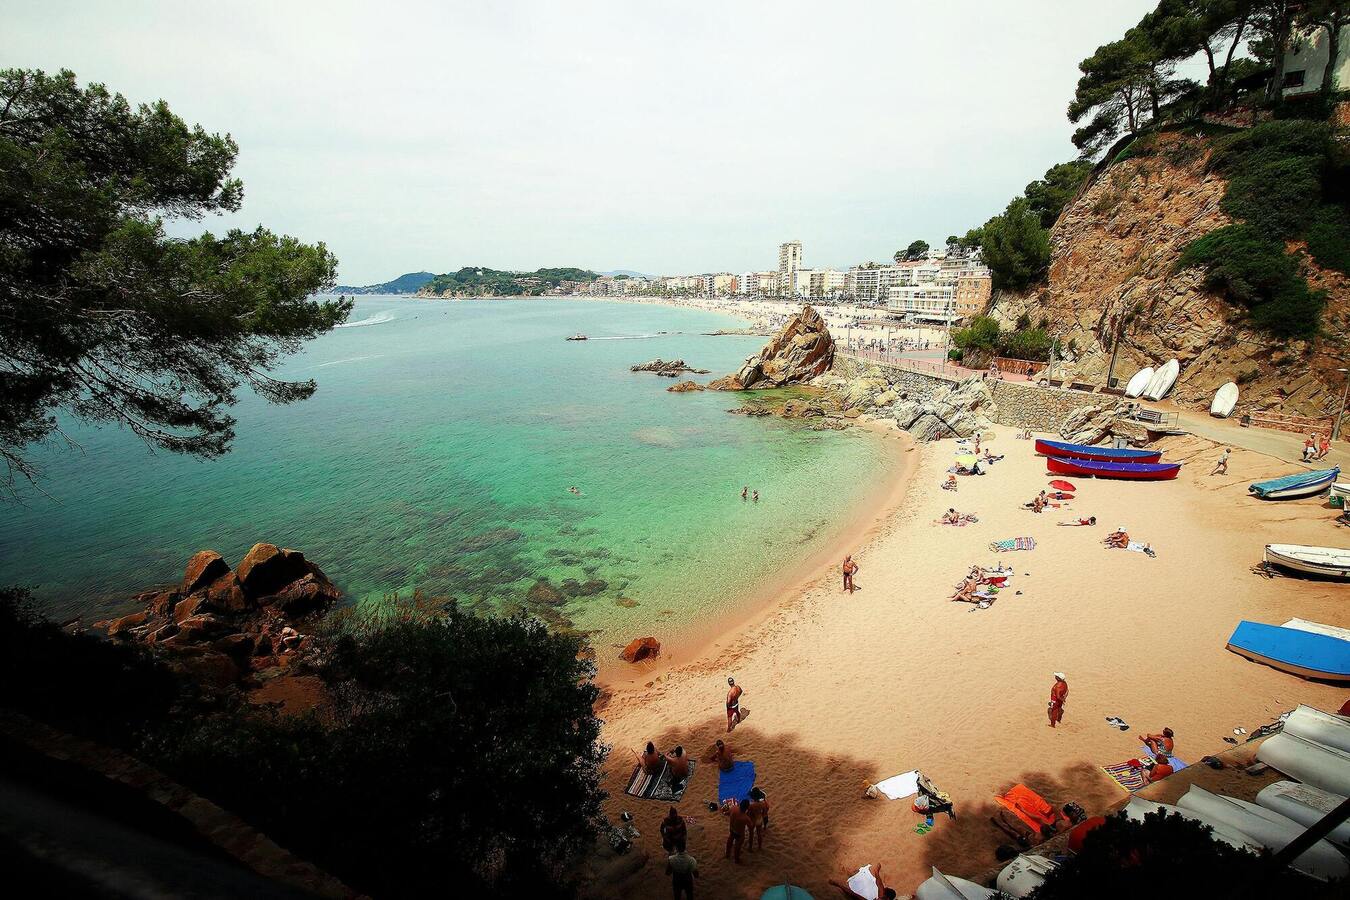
(849, 569)
(739, 827)
(683, 869)
(1058, 694)
(733, 704)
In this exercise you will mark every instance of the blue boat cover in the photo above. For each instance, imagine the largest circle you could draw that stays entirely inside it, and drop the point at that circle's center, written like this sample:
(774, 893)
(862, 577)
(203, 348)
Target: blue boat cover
(1123, 454)
(1300, 479)
(1305, 649)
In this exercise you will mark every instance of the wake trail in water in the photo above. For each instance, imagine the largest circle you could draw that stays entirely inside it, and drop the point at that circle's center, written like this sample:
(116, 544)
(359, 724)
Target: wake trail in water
(377, 319)
(347, 360)
(636, 337)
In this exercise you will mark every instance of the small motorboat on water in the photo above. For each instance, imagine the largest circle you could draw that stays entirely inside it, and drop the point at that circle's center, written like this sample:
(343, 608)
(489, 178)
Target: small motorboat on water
(1307, 654)
(1327, 562)
(1300, 484)
(1134, 471)
(1064, 450)
(579, 337)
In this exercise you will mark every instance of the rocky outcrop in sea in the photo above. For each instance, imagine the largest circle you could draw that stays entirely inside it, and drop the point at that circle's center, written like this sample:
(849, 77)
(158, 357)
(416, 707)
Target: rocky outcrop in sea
(671, 369)
(219, 626)
(799, 353)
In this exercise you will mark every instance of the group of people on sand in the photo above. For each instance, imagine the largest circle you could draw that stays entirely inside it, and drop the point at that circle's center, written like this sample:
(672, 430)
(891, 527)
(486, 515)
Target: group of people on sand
(1161, 746)
(952, 517)
(747, 818)
(746, 493)
(1316, 446)
(968, 591)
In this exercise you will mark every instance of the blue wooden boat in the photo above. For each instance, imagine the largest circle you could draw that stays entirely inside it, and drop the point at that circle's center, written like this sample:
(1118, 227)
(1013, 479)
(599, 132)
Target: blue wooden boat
(1302, 484)
(1134, 471)
(1100, 454)
(1303, 653)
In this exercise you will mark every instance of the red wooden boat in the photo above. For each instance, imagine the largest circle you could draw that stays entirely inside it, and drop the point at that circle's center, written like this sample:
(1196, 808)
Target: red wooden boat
(1131, 470)
(1063, 450)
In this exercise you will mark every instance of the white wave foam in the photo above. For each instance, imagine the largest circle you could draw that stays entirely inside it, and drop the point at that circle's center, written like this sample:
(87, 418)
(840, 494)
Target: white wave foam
(337, 362)
(377, 319)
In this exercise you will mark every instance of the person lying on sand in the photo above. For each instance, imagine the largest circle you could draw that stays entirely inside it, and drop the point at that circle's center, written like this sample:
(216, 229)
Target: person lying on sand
(991, 458)
(950, 483)
(1119, 539)
(965, 592)
(1038, 502)
(1090, 520)
(951, 517)
(651, 760)
(883, 892)
(1161, 743)
(1158, 771)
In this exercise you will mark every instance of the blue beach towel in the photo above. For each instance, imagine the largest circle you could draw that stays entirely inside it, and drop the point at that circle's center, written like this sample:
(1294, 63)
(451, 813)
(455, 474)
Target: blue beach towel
(1176, 764)
(736, 784)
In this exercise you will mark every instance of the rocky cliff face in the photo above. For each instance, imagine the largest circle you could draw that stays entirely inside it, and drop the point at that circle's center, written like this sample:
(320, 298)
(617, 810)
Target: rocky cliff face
(797, 354)
(1115, 249)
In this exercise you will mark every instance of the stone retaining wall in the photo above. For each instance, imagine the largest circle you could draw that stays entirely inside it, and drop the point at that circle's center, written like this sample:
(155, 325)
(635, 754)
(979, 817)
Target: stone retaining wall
(1020, 404)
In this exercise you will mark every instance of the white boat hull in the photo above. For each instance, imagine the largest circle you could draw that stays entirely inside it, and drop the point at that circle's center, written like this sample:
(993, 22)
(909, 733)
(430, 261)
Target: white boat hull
(1024, 874)
(1305, 804)
(1272, 830)
(1310, 762)
(1225, 399)
(1138, 807)
(1318, 628)
(1319, 727)
(949, 887)
(1162, 381)
(1139, 382)
(1327, 562)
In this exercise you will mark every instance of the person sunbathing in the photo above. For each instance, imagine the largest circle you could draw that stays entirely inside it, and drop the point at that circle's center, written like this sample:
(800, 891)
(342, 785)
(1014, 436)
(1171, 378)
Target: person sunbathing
(722, 755)
(951, 517)
(950, 483)
(1090, 520)
(1160, 769)
(679, 767)
(1118, 539)
(1161, 743)
(651, 760)
(965, 592)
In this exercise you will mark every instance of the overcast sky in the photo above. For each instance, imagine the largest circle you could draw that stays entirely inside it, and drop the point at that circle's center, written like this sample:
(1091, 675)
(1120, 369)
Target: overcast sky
(663, 137)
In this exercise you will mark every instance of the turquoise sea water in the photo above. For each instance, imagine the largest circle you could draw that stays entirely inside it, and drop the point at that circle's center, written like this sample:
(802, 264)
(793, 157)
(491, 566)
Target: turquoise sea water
(436, 456)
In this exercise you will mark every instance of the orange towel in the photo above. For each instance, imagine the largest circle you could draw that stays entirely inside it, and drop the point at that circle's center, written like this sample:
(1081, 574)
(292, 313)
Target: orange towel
(1030, 807)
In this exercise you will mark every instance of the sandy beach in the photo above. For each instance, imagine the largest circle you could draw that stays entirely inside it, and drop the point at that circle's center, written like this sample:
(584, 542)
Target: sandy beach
(846, 690)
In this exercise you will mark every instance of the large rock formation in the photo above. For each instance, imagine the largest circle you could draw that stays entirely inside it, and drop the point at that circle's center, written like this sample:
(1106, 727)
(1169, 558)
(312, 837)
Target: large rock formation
(796, 355)
(218, 626)
(1094, 424)
(1113, 272)
(670, 368)
(961, 411)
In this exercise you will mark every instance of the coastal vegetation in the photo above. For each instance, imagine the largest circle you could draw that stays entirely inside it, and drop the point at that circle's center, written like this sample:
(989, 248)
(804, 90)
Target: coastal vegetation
(105, 317)
(452, 749)
(984, 338)
(477, 281)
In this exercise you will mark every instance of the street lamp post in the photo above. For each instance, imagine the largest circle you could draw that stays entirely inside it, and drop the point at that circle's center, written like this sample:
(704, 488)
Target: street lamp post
(1340, 414)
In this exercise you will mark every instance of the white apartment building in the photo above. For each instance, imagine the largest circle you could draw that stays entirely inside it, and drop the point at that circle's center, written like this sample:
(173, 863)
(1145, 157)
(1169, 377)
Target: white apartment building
(1306, 59)
(789, 261)
(827, 283)
(723, 284)
(861, 282)
(928, 302)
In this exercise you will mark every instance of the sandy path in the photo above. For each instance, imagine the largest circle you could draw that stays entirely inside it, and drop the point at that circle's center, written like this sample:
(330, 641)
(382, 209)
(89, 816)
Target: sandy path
(845, 690)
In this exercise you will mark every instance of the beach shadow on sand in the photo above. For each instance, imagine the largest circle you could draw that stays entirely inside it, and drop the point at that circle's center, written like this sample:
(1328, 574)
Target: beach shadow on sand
(812, 814)
(967, 846)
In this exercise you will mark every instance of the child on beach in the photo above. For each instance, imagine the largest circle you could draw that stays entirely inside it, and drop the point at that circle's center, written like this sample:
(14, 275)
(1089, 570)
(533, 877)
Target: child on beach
(1221, 467)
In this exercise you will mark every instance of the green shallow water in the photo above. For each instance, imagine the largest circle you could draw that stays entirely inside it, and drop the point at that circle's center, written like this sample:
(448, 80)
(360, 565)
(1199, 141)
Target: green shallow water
(436, 456)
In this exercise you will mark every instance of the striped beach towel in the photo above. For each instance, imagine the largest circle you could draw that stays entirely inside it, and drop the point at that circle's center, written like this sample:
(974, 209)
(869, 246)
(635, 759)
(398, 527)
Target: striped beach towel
(1021, 543)
(657, 787)
(1125, 775)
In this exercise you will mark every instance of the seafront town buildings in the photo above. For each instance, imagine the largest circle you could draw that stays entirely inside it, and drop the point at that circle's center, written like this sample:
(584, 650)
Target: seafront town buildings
(940, 287)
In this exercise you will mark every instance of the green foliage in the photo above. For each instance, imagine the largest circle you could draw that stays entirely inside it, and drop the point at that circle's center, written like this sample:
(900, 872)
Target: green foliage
(1026, 343)
(463, 751)
(1016, 247)
(981, 335)
(1255, 271)
(915, 250)
(106, 317)
(1125, 860)
(1049, 195)
(476, 281)
(1328, 237)
(87, 685)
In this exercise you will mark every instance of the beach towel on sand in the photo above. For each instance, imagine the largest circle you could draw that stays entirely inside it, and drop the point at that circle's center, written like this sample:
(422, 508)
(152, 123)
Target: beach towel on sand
(864, 883)
(1021, 543)
(736, 784)
(657, 787)
(1176, 764)
(898, 787)
(1125, 775)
